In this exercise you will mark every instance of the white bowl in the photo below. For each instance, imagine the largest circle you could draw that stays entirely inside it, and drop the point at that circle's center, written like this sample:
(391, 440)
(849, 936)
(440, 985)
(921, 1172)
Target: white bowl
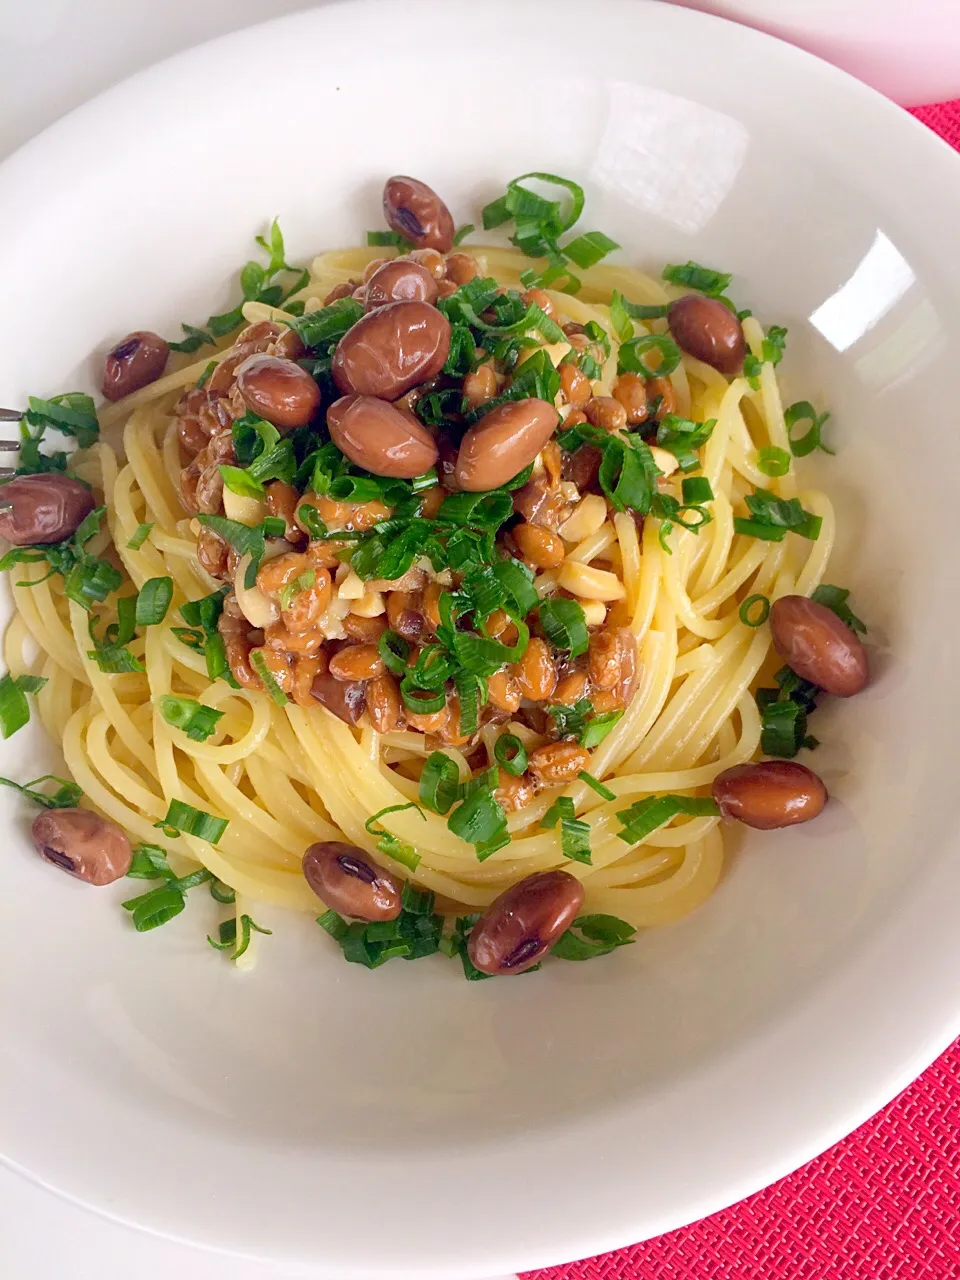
(405, 1123)
(910, 53)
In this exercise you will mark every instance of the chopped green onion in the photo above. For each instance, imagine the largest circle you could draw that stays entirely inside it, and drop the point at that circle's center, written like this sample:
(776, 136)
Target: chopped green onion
(598, 727)
(155, 908)
(154, 601)
(681, 437)
(309, 517)
(595, 784)
(803, 411)
(270, 682)
(772, 461)
(750, 615)
(462, 232)
(419, 902)
(115, 659)
(390, 844)
(185, 818)
(141, 534)
(72, 414)
(221, 892)
(480, 821)
(620, 317)
(510, 754)
(564, 625)
(588, 249)
(274, 527)
(67, 795)
(773, 517)
(240, 481)
(647, 815)
(328, 325)
(302, 582)
(481, 510)
(696, 489)
(394, 651)
(376, 239)
(692, 276)
(574, 832)
(630, 357)
(334, 924)
(228, 935)
(14, 708)
(439, 782)
(591, 936)
(149, 862)
(784, 728)
(197, 721)
(835, 598)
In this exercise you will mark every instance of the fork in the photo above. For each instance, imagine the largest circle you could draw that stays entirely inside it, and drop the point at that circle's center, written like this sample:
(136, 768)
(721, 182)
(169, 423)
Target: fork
(9, 446)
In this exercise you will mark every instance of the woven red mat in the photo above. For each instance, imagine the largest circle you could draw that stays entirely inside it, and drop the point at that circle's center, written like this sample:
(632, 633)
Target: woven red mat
(884, 1204)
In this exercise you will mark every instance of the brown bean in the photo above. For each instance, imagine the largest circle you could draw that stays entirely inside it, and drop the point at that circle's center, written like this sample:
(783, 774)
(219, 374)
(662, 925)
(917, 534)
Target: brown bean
(364, 630)
(503, 691)
(612, 660)
(403, 614)
(42, 508)
(661, 389)
(519, 928)
(415, 211)
(539, 547)
(134, 363)
(433, 261)
(357, 662)
(479, 386)
(818, 646)
(503, 442)
(773, 793)
(575, 386)
(380, 438)
(346, 699)
(461, 268)
(541, 299)
(305, 671)
(399, 281)
(535, 673)
(383, 703)
(605, 412)
(709, 331)
(514, 792)
(340, 291)
(278, 390)
(570, 689)
(83, 843)
(348, 881)
(556, 762)
(631, 391)
(213, 553)
(392, 349)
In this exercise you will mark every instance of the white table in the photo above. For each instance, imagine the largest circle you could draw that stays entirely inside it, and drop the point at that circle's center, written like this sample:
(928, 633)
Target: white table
(54, 54)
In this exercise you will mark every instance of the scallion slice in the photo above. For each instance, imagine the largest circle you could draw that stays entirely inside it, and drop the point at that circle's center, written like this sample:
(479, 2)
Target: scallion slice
(154, 601)
(141, 534)
(564, 625)
(195, 720)
(185, 818)
(647, 815)
(510, 754)
(439, 782)
(596, 785)
(754, 611)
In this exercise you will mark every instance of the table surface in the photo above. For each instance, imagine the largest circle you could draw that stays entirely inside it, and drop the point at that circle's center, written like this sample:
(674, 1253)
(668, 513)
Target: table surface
(883, 1205)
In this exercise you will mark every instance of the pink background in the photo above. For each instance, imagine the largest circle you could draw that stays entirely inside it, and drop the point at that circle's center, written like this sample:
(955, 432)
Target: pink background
(884, 1203)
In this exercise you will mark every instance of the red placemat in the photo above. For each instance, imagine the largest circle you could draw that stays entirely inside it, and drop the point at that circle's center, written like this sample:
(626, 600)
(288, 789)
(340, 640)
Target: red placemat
(884, 1204)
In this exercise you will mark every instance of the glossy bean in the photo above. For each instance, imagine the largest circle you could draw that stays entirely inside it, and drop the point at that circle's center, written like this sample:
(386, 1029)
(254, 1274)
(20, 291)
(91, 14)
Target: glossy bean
(392, 349)
(416, 212)
(461, 268)
(134, 363)
(383, 703)
(348, 881)
(380, 438)
(709, 331)
(522, 924)
(83, 843)
(535, 673)
(503, 442)
(539, 547)
(818, 646)
(606, 412)
(575, 386)
(278, 390)
(357, 662)
(43, 508)
(346, 699)
(515, 792)
(399, 281)
(773, 793)
(631, 391)
(557, 762)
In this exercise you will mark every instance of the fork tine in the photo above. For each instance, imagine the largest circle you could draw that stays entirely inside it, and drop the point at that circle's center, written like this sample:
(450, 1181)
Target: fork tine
(9, 446)
(11, 415)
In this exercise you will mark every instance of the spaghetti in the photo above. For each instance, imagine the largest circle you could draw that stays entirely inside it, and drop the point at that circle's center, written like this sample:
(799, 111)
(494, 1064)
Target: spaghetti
(284, 774)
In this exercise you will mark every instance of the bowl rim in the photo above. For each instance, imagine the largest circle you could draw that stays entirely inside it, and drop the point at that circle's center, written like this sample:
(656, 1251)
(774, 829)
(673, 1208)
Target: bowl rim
(867, 1086)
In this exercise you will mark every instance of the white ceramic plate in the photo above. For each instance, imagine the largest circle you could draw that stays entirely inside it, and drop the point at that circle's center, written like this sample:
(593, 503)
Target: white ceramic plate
(910, 52)
(404, 1123)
